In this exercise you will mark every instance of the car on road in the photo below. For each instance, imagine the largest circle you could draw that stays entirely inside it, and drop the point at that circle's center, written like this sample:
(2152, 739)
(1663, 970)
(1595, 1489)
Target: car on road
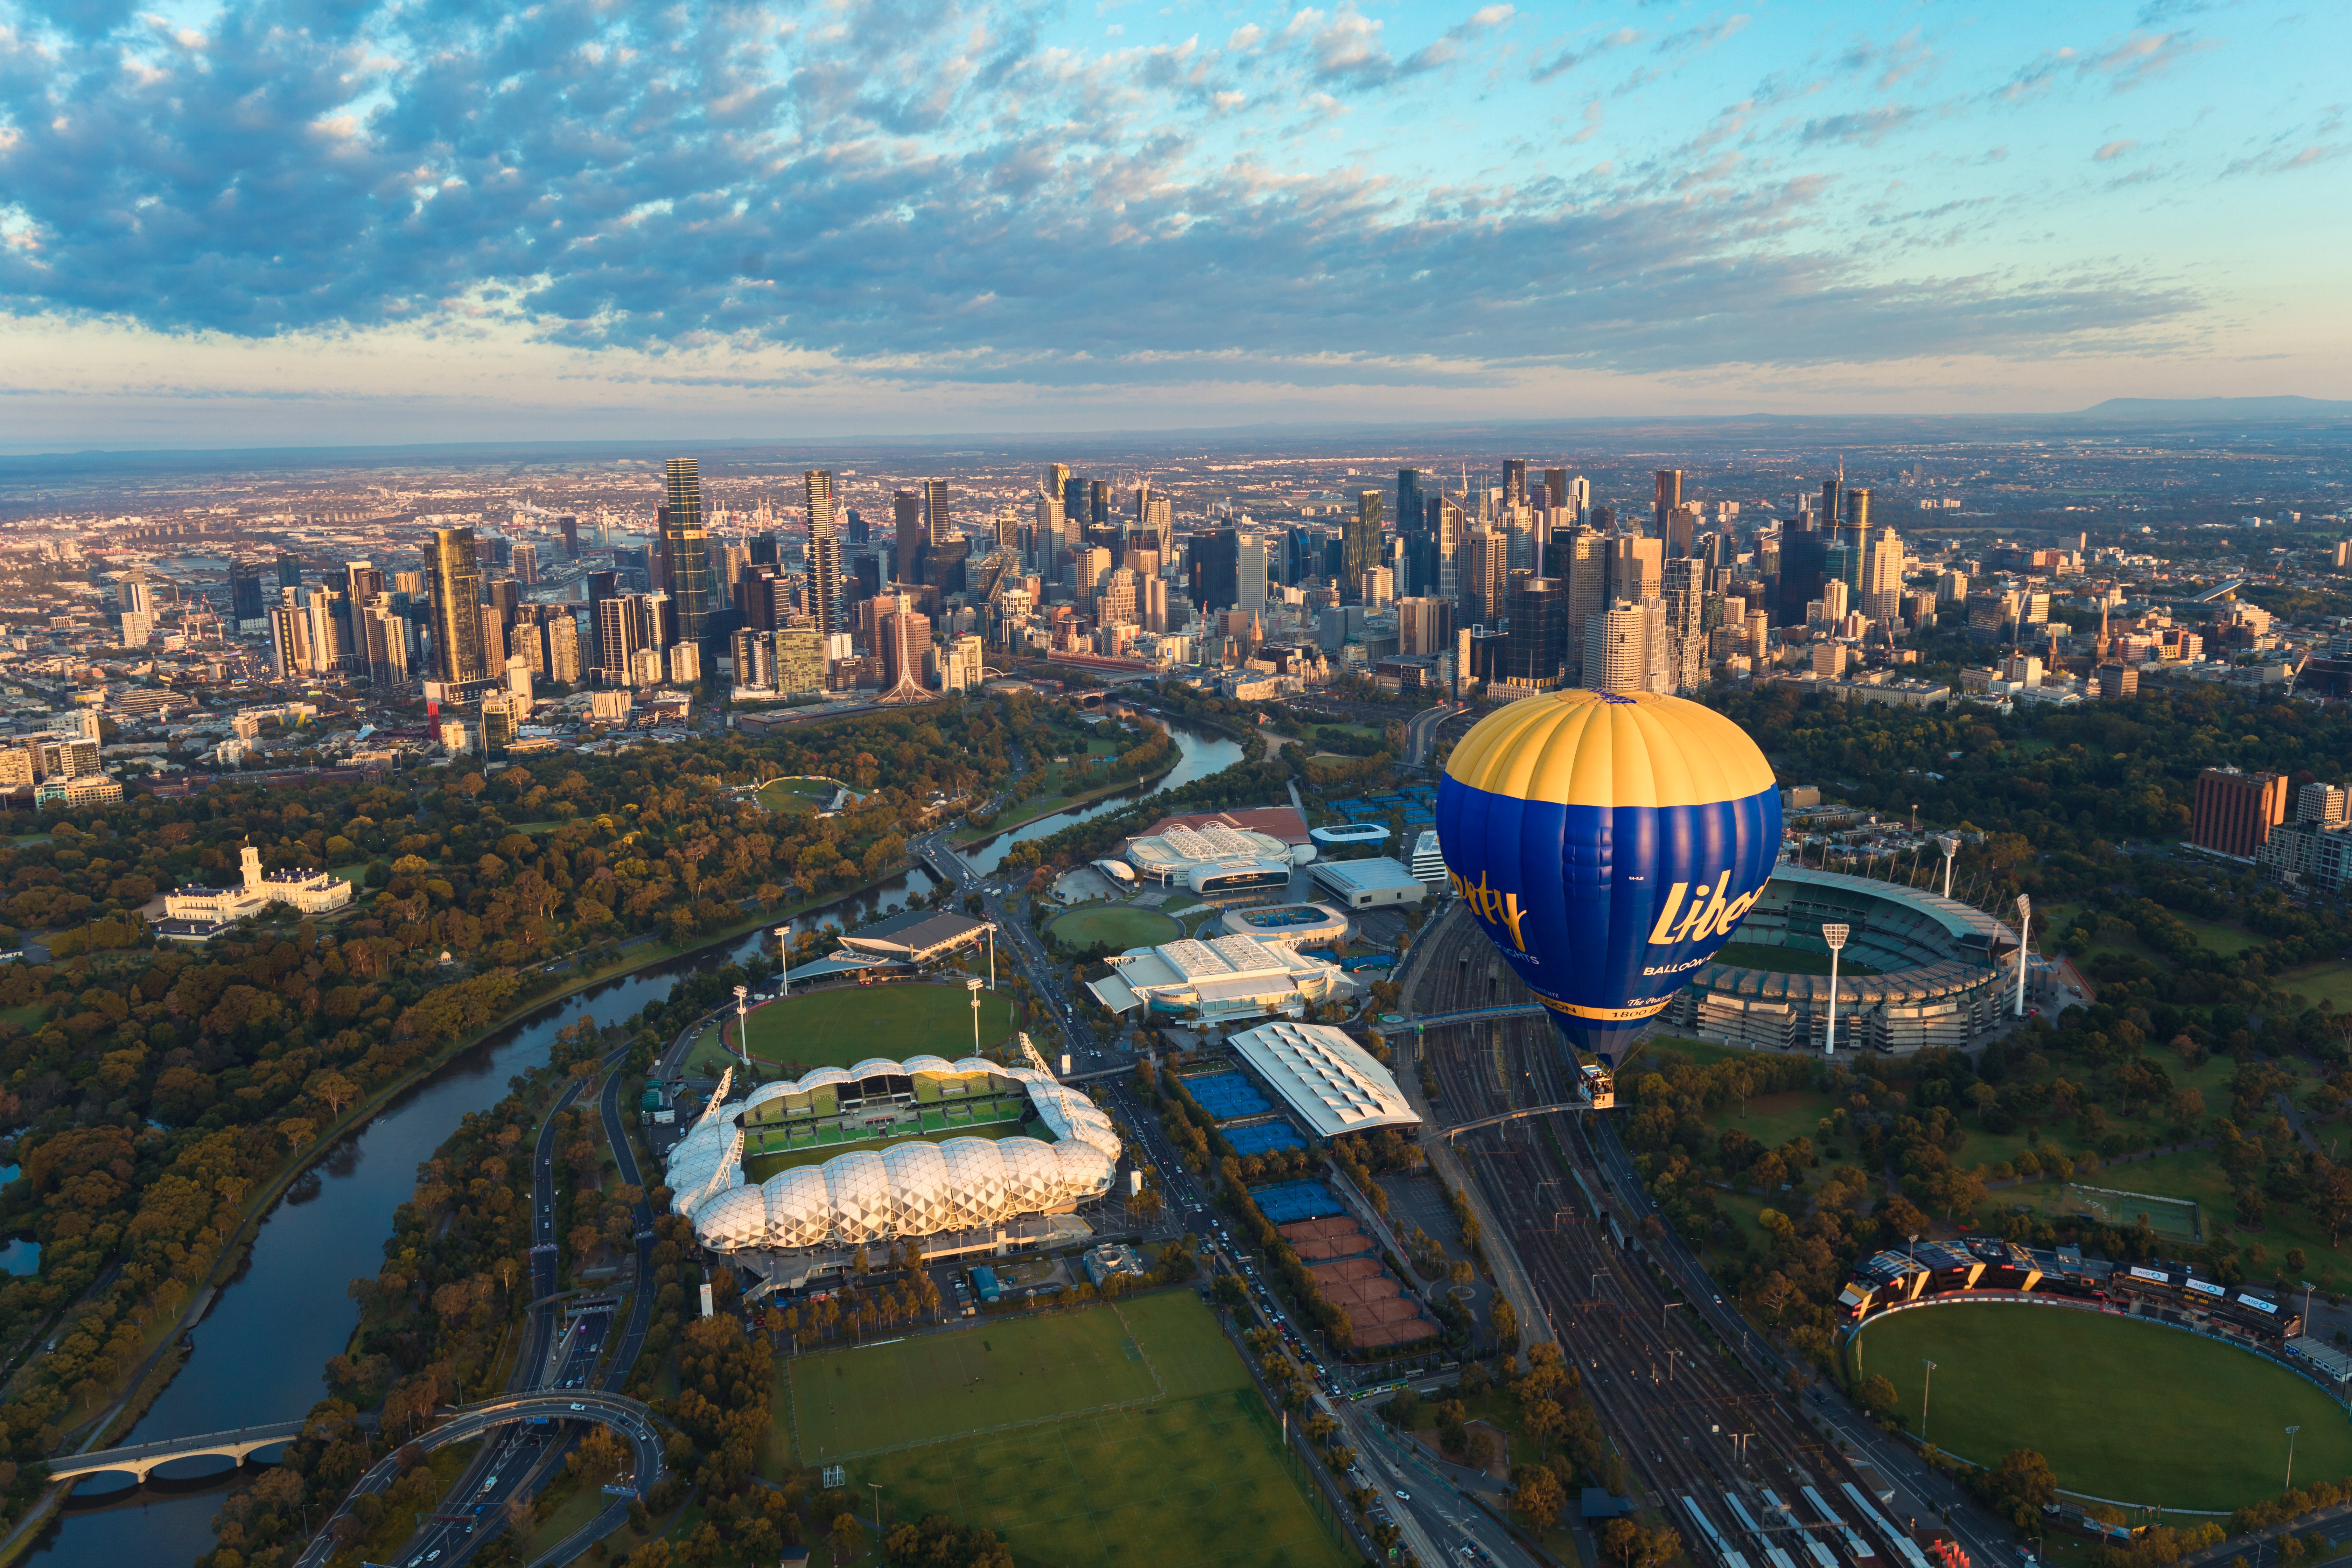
(1404, 1497)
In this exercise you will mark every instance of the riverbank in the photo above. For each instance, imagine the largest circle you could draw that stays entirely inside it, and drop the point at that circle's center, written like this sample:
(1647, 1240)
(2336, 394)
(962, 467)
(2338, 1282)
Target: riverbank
(1057, 805)
(164, 1348)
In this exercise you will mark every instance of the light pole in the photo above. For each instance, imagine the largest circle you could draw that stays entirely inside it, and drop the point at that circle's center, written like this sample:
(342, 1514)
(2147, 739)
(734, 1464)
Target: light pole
(1835, 934)
(784, 960)
(1662, 1314)
(1927, 1386)
(742, 1028)
(2290, 1457)
(973, 986)
(2024, 924)
(876, 1486)
(1950, 845)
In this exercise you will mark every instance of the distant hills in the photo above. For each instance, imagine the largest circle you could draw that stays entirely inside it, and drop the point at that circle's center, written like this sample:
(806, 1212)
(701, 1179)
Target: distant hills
(2178, 408)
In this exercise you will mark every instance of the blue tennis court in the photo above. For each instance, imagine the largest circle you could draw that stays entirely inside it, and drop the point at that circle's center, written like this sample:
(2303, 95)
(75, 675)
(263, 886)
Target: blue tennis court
(1287, 1203)
(1228, 1096)
(1265, 1138)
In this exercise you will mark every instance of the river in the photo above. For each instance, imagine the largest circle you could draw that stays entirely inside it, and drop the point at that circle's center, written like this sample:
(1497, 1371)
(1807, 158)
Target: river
(259, 1351)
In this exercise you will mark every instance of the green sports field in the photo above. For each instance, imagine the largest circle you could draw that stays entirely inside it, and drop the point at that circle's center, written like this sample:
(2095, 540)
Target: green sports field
(1774, 959)
(2123, 1409)
(1119, 927)
(1190, 1472)
(844, 1025)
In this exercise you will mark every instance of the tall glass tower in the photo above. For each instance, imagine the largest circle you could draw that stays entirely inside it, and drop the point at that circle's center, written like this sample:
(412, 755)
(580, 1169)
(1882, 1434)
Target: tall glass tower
(455, 578)
(823, 553)
(686, 552)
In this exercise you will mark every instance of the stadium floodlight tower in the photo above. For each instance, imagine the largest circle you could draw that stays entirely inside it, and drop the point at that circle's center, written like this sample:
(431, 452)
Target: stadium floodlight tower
(743, 1026)
(1949, 843)
(784, 959)
(2024, 924)
(1835, 934)
(2290, 1457)
(971, 983)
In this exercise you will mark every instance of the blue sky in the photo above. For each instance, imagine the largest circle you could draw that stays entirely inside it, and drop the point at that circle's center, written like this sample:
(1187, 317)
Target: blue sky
(338, 219)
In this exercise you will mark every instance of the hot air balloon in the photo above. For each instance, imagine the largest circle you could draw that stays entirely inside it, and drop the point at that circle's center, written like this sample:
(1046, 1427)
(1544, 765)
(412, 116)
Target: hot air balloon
(1609, 843)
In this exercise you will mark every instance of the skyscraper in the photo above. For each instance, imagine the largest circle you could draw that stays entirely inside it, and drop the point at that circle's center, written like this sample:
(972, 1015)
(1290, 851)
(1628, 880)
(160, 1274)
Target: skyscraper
(1249, 571)
(1804, 557)
(455, 580)
(937, 529)
(1215, 568)
(571, 527)
(1515, 481)
(1669, 497)
(526, 562)
(1362, 544)
(1581, 560)
(686, 552)
(1556, 487)
(289, 571)
(823, 553)
(245, 600)
(1538, 630)
(1411, 515)
(908, 536)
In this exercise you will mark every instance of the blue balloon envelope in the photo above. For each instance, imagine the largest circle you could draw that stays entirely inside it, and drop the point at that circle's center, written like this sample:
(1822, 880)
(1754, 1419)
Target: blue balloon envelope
(1609, 843)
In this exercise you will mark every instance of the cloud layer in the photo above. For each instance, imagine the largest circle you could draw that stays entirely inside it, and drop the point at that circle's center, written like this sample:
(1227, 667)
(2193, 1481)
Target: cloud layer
(967, 191)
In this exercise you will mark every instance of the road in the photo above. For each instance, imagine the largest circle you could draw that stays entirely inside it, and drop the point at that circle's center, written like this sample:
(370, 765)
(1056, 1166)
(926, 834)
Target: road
(1420, 731)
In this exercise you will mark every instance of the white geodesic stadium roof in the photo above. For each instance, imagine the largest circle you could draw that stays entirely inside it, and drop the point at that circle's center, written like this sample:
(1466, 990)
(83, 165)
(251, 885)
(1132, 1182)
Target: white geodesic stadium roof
(911, 1188)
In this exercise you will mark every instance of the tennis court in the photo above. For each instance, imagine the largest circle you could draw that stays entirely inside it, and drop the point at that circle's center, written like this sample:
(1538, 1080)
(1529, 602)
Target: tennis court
(1228, 1096)
(1286, 1202)
(1263, 1139)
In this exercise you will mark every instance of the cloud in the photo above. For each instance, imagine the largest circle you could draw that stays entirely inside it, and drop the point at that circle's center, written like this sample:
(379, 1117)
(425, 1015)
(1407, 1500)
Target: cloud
(1864, 129)
(2142, 57)
(1568, 59)
(2113, 151)
(936, 191)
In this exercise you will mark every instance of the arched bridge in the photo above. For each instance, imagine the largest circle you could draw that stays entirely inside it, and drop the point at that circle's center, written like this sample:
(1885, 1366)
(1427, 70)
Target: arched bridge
(1471, 1015)
(140, 1458)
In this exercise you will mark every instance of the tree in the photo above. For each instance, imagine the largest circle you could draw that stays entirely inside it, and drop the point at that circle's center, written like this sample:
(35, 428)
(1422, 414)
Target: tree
(598, 1459)
(1504, 1319)
(1878, 1396)
(2023, 1484)
(848, 1535)
(1635, 1547)
(1535, 1492)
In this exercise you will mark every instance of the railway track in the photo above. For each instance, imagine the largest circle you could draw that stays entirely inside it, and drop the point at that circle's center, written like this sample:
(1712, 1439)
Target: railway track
(1691, 1421)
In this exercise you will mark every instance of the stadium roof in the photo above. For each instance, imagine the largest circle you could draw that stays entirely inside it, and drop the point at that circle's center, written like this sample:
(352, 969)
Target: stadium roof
(916, 934)
(1350, 833)
(1280, 821)
(1347, 877)
(1328, 1079)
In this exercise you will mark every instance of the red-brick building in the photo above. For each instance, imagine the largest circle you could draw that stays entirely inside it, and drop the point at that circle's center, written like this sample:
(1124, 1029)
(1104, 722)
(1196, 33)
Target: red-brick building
(2235, 811)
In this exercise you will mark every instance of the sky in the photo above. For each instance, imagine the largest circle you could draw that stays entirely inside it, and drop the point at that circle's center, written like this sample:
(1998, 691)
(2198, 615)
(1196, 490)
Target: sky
(290, 222)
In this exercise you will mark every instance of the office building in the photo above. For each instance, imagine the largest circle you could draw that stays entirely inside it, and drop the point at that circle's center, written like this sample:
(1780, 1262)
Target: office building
(1424, 624)
(570, 530)
(1537, 632)
(289, 569)
(456, 587)
(526, 562)
(247, 600)
(1249, 571)
(1804, 559)
(1411, 509)
(907, 534)
(1515, 481)
(1485, 575)
(824, 554)
(1669, 497)
(561, 636)
(1213, 562)
(1580, 560)
(1636, 566)
(685, 552)
(2235, 812)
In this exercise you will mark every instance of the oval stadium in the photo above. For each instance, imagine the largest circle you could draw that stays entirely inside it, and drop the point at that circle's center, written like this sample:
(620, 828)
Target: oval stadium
(1918, 970)
(797, 1177)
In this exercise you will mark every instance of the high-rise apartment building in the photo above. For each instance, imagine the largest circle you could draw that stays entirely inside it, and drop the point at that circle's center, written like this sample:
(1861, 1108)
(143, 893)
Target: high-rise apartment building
(456, 582)
(1488, 569)
(937, 527)
(2322, 805)
(1636, 566)
(903, 641)
(685, 552)
(570, 526)
(526, 562)
(823, 553)
(289, 570)
(1625, 648)
(247, 600)
(1412, 510)
(2235, 811)
(908, 535)
(1580, 560)
(1362, 542)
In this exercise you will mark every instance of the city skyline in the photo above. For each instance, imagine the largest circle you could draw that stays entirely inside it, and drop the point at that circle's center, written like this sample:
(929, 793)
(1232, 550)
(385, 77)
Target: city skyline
(228, 227)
